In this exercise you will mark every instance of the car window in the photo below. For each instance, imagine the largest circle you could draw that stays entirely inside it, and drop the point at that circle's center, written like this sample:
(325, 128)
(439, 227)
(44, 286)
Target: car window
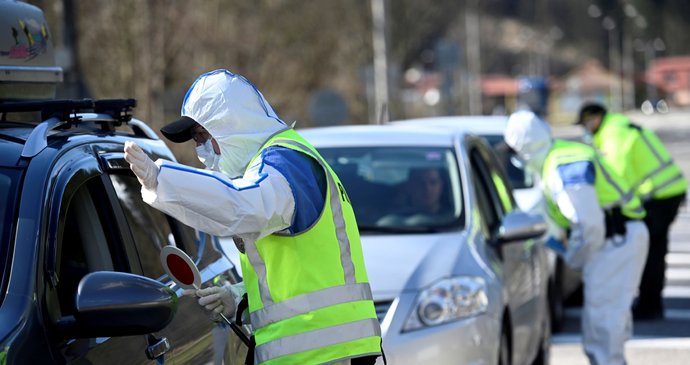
(9, 183)
(519, 178)
(151, 229)
(83, 243)
(487, 197)
(400, 188)
(500, 183)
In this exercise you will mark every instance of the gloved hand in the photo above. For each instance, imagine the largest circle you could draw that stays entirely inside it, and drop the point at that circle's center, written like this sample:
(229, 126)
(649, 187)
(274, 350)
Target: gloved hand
(142, 166)
(217, 299)
(555, 244)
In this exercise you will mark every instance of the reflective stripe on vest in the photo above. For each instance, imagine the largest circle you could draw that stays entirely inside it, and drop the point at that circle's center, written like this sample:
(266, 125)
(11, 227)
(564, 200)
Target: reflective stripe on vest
(676, 178)
(336, 209)
(626, 200)
(638, 154)
(315, 339)
(309, 302)
(663, 165)
(343, 241)
(317, 322)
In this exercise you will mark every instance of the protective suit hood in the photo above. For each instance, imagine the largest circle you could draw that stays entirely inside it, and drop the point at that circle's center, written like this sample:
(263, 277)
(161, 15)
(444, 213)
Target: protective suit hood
(235, 113)
(530, 137)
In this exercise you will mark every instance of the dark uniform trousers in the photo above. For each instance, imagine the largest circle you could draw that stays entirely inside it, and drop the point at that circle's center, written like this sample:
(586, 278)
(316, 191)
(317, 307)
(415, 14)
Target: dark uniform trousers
(660, 214)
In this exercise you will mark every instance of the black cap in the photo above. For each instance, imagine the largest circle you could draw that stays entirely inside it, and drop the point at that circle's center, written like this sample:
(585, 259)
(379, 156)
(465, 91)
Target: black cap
(180, 130)
(589, 110)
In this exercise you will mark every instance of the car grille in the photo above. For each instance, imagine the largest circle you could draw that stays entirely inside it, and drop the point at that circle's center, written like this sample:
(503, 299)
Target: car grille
(382, 309)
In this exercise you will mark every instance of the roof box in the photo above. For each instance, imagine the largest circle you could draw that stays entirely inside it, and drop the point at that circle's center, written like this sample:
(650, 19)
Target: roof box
(27, 58)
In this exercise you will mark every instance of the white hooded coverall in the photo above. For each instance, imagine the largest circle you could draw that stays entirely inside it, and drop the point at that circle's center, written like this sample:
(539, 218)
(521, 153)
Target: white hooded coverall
(282, 190)
(258, 201)
(611, 268)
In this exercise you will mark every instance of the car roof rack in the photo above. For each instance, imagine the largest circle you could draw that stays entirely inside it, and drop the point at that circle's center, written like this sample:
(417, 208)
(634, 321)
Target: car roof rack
(68, 110)
(109, 113)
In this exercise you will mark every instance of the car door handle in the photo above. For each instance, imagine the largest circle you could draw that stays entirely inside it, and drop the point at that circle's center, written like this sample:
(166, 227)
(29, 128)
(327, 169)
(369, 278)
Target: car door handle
(157, 347)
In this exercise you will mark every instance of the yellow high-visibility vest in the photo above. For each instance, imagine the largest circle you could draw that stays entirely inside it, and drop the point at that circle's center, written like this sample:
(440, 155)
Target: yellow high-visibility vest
(638, 156)
(309, 296)
(612, 190)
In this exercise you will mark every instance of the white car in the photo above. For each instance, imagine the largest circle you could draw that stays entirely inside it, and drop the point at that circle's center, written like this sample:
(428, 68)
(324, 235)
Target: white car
(528, 195)
(457, 271)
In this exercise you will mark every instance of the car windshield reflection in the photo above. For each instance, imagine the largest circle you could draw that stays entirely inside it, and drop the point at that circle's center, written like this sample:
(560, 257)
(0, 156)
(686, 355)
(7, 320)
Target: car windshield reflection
(400, 189)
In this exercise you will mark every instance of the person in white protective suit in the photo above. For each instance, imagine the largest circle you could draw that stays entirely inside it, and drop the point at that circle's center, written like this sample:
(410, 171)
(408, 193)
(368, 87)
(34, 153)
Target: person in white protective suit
(607, 239)
(309, 299)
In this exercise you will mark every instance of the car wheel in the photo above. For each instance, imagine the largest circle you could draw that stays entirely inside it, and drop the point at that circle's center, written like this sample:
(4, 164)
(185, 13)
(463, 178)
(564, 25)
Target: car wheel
(504, 347)
(544, 354)
(577, 298)
(556, 305)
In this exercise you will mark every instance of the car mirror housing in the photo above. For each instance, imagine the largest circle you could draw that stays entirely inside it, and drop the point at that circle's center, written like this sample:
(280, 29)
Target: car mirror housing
(119, 304)
(518, 225)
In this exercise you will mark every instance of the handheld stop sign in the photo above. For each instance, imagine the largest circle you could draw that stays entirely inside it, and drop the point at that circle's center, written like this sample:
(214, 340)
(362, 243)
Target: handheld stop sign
(182, 270)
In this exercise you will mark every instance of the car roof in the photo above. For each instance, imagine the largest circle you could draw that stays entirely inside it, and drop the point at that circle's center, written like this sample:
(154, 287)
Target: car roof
(477, 124)
(24, 134)
(13, 140)
(379, 135)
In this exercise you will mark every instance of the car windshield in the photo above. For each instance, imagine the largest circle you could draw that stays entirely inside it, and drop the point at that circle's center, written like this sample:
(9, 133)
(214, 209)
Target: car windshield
(516, 173)
(9, 186)
(400, 189)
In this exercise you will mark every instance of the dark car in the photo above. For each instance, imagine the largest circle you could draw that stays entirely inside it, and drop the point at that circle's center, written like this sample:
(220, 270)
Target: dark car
(81, 277)
(81, 280)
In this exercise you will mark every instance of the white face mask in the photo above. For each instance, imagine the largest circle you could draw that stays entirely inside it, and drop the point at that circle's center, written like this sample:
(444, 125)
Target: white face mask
(207, 155)
(587, 136)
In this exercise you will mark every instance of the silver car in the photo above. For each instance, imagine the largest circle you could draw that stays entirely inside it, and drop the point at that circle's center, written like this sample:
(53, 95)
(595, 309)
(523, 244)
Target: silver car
(563, 281)
(458, 273)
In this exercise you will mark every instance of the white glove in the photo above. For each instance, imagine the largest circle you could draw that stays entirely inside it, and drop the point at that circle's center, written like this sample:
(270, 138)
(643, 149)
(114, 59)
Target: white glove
(217, 299)
(142, 166)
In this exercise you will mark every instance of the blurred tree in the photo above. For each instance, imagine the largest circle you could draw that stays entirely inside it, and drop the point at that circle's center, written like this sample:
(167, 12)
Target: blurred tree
(154, 49)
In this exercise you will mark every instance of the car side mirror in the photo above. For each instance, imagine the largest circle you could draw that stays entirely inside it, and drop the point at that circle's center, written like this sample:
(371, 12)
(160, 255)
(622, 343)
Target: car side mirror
(119, 304)
(518, 225)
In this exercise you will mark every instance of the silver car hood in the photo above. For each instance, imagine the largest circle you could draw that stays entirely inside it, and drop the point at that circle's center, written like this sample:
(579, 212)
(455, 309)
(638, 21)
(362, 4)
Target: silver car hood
(408, 262)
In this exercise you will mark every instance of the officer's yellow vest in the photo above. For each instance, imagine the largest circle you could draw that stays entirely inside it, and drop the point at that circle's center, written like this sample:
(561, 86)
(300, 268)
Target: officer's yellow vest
(638, 155)
(612, 191)
(503, 194)
(309, 296)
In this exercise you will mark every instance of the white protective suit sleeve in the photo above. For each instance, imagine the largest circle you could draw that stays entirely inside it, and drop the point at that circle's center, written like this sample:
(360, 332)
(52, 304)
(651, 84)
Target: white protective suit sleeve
(253, 206)
(579, 204)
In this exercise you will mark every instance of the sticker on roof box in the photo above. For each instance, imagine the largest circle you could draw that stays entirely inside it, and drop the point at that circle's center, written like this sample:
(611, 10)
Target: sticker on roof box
(30, 40)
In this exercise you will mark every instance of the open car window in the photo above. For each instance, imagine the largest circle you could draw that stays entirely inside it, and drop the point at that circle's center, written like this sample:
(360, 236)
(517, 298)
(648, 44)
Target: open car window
(151, 229)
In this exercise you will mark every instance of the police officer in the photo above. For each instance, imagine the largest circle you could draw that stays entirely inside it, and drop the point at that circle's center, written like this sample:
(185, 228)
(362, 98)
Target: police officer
(638, 155)
(308, 295)
(607, 240)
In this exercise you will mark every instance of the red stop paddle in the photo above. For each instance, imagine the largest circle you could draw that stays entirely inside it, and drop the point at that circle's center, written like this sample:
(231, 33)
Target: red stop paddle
(182, 270)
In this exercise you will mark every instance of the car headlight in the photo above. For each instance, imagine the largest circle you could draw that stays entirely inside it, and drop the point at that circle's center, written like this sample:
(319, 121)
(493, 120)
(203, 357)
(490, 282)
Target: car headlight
(448, 300)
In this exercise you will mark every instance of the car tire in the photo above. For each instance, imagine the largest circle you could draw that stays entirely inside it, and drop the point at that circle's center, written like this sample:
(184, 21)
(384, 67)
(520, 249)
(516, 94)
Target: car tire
(577, 298)
(556, 302)
(544, 354)
(504, 347)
